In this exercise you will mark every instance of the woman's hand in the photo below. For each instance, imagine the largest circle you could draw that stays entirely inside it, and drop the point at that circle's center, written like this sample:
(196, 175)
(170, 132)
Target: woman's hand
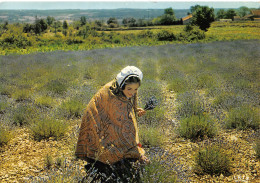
(140, 112)
(144, 160)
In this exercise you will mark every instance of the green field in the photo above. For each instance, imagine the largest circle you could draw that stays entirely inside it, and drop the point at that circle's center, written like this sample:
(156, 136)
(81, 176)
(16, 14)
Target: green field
(234, 30)
(14, 41)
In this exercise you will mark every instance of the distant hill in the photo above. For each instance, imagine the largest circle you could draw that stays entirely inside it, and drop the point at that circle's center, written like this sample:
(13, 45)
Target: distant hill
(28, 16)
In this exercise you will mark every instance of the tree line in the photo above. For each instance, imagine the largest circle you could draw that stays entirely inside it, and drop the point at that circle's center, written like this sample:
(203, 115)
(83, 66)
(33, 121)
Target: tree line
(202, 17)
(40, 25)
(46, 32)
(230, 13)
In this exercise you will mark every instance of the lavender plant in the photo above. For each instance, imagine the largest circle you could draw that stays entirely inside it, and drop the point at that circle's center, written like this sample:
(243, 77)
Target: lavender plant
(190, 103)
(151, 136)
(70, 172)
(72, 108)
(23, 114)
(57, 86)
(48, 161)
(48, 127)
(151, 103)
(164, 167)
(5, 135)
(243, 118)
(197, 127)
(212, 160)
(257, 148)
(3, 105)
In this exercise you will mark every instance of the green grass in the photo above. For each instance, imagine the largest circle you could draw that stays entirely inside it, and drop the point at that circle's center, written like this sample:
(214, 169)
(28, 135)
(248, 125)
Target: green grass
(226, 100)
(5, 135)
(47, 42)
(243, 118)
(212, 160)
(257, 148)
(3, 106)
(48, 127)
(234, 30)
(189, 104)
(45, 101)
(21, 94)
(48, 161)
(57, 86)
(24, 114)
(72, 108)
(151, 136)
(197, 127)
(158, 171)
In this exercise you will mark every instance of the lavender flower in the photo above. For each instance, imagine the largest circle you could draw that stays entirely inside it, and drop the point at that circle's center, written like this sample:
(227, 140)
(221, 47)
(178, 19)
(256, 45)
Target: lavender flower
(151, 103)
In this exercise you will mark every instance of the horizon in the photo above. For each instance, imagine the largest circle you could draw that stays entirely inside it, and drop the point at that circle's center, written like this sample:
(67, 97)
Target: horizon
(99, 5)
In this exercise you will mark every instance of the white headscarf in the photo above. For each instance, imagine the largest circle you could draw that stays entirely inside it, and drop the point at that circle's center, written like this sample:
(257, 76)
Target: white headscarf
(128, 72)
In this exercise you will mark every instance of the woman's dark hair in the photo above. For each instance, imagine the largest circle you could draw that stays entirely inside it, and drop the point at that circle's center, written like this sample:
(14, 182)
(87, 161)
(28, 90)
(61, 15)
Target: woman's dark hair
(119, 91)
(130, 80)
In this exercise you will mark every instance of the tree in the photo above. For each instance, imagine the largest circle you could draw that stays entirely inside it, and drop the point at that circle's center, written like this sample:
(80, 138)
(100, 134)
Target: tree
(86, 31)
(97, 25)
(40, 26)
(83, 20)
(243, 11)
(50, 20)
(56, 25)
(194, 8)
(169, 11)
(203, 17)
(221, 14)
(37, 27)
(112, 22)
(125, 21)
(5, 25)
(76, 25)
(168, 18)
(230, 14)
(142, 23)
(28, 28)
(65, 24)
(130, 22)
(43, 24)
(65, 27)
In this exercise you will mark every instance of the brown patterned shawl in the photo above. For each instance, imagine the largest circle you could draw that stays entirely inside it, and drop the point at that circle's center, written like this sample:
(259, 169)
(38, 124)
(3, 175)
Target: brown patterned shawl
(108, 131)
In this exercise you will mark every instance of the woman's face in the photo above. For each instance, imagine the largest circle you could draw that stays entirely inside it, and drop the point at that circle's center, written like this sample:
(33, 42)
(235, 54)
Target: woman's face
(130, 89)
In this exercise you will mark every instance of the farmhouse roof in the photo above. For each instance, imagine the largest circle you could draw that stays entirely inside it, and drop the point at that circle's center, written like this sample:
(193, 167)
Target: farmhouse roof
(187, 17)
(248, 16)
(256, 12)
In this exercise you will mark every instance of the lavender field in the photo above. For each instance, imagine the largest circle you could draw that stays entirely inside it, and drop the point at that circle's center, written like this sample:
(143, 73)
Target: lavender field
(204, 129)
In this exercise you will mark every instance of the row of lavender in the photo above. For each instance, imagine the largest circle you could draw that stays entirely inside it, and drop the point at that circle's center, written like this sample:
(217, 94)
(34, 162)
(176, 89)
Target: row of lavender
(216, 86)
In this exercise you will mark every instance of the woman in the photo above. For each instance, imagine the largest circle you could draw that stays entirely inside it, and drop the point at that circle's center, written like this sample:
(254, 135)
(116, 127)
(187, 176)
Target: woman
(108, 138)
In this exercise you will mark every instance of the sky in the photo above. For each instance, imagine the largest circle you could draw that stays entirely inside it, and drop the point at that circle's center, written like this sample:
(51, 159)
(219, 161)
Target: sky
(114, 4)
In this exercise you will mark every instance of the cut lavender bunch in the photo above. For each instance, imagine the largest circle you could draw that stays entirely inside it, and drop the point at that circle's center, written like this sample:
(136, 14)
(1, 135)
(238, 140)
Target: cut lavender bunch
(151, 103)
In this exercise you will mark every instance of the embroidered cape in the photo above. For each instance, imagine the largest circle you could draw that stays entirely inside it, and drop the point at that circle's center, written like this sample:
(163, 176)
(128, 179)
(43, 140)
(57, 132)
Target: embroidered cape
(108, 131)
